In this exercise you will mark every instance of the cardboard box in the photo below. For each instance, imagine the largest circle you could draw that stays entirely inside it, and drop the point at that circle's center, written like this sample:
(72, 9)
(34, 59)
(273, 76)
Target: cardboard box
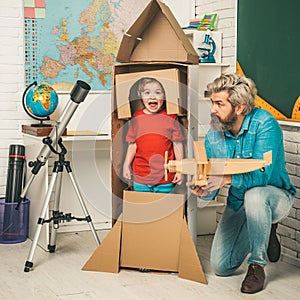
(124, 83)
(156, 36)
(151, 233)
(120, 119)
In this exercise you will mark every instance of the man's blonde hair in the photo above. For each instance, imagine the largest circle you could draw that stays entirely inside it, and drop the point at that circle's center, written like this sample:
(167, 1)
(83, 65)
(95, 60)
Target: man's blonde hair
(242, 90)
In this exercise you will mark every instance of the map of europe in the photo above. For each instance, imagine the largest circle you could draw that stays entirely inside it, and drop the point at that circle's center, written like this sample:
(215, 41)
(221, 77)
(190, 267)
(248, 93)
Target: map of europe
(77, 39)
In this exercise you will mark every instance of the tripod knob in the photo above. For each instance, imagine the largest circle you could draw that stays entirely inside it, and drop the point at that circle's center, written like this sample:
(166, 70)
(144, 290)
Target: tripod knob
(31, 164)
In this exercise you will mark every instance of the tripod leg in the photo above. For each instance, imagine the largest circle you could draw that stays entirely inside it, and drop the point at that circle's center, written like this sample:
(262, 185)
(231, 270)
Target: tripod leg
(83, 206)
(29, 264)
(52, 244)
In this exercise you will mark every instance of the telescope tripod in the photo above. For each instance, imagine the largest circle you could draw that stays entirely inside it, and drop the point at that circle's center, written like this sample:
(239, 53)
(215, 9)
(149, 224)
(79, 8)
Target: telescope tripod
(57, 216)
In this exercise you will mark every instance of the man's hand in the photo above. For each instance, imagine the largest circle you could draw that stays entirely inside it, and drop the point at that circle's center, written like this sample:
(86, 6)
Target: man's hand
(195, 189)
(216, 182)
(213, 183)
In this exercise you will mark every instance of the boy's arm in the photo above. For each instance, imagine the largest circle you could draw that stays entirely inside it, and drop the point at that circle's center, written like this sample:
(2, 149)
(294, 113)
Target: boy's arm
(131, 151)
(178, 151)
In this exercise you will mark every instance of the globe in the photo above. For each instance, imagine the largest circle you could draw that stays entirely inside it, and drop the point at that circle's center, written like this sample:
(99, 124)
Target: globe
(40, 102)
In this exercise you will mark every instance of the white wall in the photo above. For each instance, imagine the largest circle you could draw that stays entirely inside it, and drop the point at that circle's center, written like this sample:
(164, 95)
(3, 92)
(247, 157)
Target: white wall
(11, 80)
(182, 10)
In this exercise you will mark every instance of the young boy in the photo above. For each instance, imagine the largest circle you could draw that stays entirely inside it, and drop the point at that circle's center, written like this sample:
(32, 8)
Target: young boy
(152, 132)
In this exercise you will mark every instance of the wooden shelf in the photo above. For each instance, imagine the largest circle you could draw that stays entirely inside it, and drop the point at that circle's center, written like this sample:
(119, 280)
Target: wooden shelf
(102, 137)
(213, 65)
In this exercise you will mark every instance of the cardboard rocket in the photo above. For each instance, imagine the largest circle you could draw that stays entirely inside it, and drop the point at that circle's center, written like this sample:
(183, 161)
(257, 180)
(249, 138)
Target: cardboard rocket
(151, 232)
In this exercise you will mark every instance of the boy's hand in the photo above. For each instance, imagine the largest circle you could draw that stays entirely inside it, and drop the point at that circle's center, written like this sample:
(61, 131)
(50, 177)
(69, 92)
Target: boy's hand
(126, 172)
(178, 178)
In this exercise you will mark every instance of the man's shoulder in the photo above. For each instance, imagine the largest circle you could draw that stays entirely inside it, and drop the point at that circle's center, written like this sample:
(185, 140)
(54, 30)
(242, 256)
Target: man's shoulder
(262, 118)
(260, 113)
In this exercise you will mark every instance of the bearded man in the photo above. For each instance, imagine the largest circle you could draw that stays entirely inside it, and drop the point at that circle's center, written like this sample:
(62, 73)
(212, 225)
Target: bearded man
(256, 200)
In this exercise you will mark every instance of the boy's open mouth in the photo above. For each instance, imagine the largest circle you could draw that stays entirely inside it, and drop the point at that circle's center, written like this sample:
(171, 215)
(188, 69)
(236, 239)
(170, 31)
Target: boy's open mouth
(152, 104)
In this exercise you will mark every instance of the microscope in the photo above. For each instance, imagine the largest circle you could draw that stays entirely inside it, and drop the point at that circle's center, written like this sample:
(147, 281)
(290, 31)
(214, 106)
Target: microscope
(208, 49)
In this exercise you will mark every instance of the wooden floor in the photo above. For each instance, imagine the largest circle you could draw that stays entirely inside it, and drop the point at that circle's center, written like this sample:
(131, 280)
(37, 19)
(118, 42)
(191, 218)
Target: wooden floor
(58, 276)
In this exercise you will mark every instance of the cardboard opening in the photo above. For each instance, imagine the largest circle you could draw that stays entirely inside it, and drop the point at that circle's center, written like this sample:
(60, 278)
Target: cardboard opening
(172, 77)
(126, 90)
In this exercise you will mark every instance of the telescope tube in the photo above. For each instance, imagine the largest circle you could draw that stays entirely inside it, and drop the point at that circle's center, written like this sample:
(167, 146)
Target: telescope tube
(15, 177)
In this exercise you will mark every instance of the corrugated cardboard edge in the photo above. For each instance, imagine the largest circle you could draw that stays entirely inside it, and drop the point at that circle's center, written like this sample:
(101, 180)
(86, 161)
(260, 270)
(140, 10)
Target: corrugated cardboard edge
(189, 264)
(131, 37)
(107, 256)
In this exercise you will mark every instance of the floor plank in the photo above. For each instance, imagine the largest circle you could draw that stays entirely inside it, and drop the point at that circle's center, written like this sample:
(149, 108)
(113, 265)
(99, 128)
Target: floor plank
(58, 276)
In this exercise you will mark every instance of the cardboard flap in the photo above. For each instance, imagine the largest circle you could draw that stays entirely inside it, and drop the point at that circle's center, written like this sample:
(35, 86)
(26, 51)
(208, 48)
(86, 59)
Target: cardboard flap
(128, 43)
(156, 36)
(189, 264)
(106, 257)
(143, 20)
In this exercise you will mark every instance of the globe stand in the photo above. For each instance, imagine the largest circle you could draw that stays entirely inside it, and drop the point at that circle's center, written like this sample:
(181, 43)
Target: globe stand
(41, 124)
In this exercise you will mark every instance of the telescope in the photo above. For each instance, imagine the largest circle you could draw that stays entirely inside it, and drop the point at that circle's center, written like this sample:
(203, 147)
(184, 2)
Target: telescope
(77, 95)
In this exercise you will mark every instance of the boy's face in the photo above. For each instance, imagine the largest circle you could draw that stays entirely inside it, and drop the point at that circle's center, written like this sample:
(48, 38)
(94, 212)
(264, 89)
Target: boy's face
(152, 97)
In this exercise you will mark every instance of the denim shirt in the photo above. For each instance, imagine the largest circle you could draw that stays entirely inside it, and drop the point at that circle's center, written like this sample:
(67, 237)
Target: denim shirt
(260, 133)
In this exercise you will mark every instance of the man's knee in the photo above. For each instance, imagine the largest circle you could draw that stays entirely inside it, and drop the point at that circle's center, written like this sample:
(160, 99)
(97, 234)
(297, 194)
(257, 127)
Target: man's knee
(220, 270)
(255, 198)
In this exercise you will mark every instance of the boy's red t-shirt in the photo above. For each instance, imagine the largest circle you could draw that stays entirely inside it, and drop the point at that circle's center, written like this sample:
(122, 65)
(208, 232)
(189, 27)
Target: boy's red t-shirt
(153, 134)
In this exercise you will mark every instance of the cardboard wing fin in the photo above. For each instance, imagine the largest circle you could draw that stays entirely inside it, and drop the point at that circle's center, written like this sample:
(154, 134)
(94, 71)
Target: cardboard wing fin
(189, 266)
(106, 257)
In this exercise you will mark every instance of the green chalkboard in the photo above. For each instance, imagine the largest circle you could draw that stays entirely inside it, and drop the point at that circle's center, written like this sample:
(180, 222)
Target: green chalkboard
(268, 49)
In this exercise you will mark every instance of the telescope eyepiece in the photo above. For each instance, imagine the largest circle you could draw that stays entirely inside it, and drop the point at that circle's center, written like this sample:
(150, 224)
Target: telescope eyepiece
(79, 91)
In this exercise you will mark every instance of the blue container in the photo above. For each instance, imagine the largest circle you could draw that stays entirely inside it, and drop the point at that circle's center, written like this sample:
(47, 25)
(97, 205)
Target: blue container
(13, 223)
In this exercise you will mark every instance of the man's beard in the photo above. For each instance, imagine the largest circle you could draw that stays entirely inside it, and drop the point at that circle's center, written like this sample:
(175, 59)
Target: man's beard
(217, 125)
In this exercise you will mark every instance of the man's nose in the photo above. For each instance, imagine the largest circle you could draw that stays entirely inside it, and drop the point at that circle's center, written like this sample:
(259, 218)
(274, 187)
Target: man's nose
(213, 108)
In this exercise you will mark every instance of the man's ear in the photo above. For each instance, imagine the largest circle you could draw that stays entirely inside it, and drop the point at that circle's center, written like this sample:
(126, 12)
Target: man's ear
(240, 109)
